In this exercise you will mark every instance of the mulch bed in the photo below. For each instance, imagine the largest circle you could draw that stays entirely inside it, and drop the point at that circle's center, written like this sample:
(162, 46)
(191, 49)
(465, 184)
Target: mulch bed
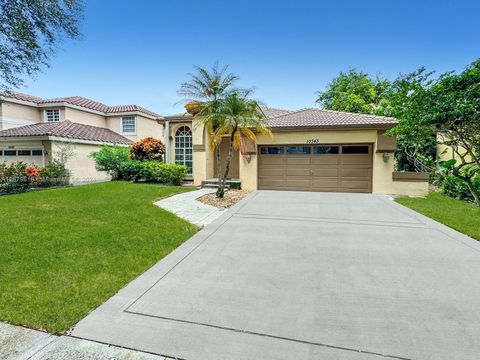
(231, 198)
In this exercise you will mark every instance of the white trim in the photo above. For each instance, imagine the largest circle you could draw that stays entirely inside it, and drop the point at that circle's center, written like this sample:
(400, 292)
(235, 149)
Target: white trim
(129, 117)
(80, 141)
(133, 113)
(56, 138)
(45, 116)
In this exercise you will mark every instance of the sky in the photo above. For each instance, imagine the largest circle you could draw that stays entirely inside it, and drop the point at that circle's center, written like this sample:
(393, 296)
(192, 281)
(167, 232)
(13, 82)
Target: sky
(139, 51)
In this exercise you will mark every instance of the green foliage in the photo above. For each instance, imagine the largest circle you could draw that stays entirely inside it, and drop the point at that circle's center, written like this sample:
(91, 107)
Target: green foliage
(461, 182)
(20, 177)
(17, 177)
(153, 171)
(111, 159)
(30, 31)
(148, 149)
(54, 174)
(354, 91)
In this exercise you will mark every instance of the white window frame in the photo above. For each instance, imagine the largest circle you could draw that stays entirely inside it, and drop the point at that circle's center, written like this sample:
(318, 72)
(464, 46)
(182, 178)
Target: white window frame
(129, 118)
(46, 116)
(183, 141)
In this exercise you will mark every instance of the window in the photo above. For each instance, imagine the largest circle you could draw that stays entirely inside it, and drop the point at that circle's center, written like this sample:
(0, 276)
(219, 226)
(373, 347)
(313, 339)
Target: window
(10, 153)
(355, 149)
(52, 114)
(37, 152)
(184, 148)
(1, 152)
(129, 125)
(272, 150)
(24, 153)
(321, 150)
(299, 150)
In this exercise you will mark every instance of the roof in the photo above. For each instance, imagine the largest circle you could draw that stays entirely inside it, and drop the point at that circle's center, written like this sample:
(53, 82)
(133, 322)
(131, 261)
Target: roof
(68, 129)
(268, 111)
(313, 117)
(82, 102)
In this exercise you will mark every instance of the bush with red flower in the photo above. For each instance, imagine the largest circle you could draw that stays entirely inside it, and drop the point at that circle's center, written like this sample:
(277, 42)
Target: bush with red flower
(148, 149)
(19, 177)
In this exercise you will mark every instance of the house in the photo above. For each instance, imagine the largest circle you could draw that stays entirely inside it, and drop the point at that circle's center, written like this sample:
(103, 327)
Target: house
(33, 130)
(311, 149)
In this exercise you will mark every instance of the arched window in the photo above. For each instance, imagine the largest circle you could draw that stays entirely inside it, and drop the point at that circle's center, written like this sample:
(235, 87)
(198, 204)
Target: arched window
(183, 147)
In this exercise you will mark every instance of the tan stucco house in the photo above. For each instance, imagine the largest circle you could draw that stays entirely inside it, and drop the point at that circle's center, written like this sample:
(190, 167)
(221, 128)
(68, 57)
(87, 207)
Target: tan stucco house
(33, 129)
(311, 149)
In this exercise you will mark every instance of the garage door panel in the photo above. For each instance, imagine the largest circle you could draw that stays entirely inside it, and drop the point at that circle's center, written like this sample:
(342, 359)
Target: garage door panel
(298, 160)
(272, 160)
(314, 171)
(363, 173)
(326, 160)
(270, 182)
(298, 182)
(326, 172)
(272, 171)
(331, 184)
(297, 171)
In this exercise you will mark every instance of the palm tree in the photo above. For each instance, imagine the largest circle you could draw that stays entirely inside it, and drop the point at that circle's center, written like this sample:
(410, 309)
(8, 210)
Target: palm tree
(204, 93)
(241, 118)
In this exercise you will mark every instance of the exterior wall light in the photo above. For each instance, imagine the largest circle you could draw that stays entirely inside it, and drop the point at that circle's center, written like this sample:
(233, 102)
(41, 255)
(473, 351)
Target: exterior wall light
(386, 157)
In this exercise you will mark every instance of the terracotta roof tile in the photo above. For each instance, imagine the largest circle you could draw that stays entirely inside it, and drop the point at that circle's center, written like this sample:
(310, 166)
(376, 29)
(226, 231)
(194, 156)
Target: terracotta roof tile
(328, 118)
(68, 129)
(82, 102)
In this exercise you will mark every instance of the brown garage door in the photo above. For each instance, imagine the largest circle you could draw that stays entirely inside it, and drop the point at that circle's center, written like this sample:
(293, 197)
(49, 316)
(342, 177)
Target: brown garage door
(342, 168)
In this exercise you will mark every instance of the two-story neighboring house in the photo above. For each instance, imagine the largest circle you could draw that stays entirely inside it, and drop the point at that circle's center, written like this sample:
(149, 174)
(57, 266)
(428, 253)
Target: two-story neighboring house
(34, 130)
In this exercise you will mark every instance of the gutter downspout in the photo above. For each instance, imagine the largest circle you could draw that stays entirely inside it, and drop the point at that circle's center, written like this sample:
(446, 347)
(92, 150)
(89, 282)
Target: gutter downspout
(167, 141)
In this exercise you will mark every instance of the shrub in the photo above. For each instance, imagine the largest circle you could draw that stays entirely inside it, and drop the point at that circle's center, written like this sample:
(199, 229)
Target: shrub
(111, 159)
(148, 149)
(455, 187)
(54, 174)
(18, 177)
(153, 171)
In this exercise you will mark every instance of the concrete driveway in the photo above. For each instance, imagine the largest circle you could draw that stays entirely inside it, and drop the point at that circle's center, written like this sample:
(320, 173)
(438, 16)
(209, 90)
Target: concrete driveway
(296, 275)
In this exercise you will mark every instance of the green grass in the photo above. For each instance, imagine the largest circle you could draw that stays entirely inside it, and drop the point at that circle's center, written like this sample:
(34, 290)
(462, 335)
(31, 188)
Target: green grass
(63, 252)
(457, 214)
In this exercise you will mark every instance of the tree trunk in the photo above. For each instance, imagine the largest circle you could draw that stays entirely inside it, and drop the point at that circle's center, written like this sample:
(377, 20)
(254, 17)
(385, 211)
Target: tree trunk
(219, 165)
(221, 187)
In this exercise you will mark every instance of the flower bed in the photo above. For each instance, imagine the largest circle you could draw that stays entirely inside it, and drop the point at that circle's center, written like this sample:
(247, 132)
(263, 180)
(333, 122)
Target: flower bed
(19, 177)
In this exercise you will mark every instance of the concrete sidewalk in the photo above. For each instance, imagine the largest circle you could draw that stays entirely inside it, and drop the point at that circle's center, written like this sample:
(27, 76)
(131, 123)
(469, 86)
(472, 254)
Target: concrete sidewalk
(18, 343)
(186, 206)
(297, 275)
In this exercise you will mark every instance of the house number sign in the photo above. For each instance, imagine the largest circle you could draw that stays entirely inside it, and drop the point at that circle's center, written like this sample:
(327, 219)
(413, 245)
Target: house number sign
(313, 141)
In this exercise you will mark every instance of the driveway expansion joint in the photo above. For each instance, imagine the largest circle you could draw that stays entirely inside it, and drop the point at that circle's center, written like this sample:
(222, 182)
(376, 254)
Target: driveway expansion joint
(343, 348)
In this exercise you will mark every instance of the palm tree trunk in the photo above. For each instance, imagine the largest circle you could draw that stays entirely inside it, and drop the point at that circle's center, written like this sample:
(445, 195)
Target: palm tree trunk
(219, 165)
(221, 188)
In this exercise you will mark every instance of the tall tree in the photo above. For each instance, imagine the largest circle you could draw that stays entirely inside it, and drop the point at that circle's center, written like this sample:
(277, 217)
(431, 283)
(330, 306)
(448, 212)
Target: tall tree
(353, 91)
(406, 100)
(453, 108)
(30, 32)
(241, 118)
(204, 93)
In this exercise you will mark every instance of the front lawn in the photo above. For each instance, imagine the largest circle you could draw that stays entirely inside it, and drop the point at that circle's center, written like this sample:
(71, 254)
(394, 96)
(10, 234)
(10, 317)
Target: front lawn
(64, 252)
(457, 214)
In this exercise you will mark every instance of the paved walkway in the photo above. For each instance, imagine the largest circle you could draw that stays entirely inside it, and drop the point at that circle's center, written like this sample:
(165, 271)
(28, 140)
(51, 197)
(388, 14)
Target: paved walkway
(299, 275)
(18, 343)
(187, 207)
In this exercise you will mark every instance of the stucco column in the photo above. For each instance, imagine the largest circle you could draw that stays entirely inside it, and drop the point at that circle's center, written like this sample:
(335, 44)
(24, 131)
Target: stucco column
(167, 141)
